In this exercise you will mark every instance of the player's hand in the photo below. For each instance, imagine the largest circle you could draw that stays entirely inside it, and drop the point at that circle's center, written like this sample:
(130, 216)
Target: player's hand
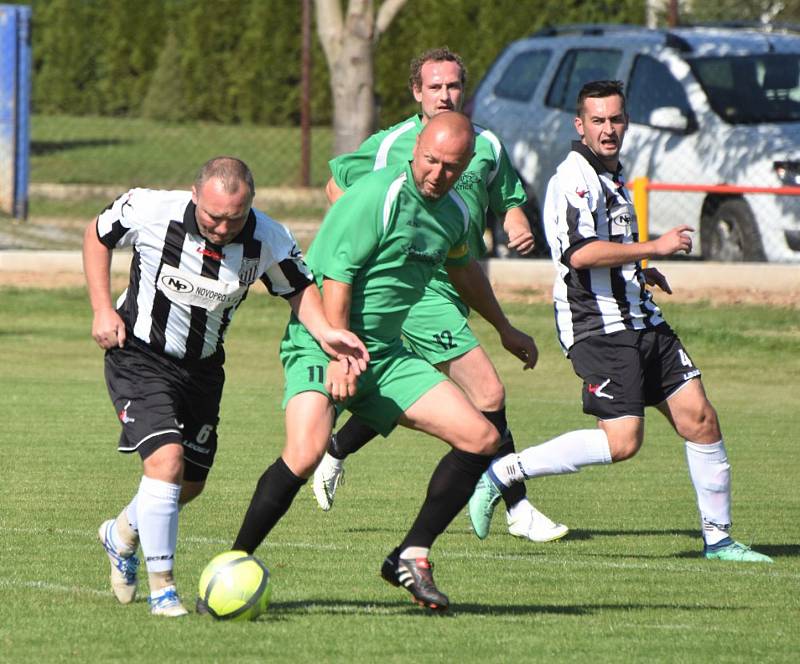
(340, 379)
(343, 344)
(520, 237)
(674, 241)
(520, 345)
(108, 329)
(653, 277)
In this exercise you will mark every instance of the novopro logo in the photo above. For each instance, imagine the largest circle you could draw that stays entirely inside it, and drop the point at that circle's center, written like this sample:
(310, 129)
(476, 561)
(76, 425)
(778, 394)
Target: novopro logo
(176, 284)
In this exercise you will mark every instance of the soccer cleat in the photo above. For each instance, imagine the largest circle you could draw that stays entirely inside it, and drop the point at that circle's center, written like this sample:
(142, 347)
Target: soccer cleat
(416, 576)
(166, 603)
(123, 568)
(535, 526)
(327, 477)
(482, 504)
(389, 568)
(736, 552)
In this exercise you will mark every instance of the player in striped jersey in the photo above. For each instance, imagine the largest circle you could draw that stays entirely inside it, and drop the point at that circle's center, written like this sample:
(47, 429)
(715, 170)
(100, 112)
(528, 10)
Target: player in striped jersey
(195, 255)
(609, 326)
(437, 327)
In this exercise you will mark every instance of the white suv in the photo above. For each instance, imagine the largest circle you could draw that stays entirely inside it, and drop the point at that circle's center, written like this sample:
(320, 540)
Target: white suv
(708, 106)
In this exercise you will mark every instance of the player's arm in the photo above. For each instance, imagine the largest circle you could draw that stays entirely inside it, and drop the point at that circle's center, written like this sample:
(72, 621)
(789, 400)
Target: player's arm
(475, 290)
(601, 253)
(333, 191)
(506, 198)
(338, 342)
(518, 229)
(108, 329)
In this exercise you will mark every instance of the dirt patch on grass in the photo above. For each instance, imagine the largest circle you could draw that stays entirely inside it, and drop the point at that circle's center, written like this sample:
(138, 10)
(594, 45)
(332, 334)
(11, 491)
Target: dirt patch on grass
(719, 297)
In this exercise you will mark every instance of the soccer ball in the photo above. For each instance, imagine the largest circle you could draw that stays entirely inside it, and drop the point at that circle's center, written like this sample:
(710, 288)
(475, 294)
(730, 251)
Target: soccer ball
(235, 586)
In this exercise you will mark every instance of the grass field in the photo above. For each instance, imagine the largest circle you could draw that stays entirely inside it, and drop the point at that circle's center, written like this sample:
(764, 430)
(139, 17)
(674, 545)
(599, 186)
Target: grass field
(627, 584)
(137, 152)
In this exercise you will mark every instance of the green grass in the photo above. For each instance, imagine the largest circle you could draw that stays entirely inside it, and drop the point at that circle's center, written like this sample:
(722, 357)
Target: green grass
(137, 152)
(627, 584)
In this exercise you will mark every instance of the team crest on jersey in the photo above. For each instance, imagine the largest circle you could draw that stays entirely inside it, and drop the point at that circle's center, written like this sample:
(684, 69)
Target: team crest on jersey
(467, 180)
(248, 271)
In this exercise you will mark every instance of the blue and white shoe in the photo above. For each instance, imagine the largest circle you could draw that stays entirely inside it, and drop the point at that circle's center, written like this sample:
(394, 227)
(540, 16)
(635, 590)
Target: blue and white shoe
(166, 603)
(123, 568)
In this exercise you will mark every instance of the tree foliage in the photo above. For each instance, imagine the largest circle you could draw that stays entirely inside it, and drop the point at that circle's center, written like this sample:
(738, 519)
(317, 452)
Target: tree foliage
(238, 61)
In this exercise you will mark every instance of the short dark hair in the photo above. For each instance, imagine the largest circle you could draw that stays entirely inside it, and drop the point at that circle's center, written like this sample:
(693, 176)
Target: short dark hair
(599, 89)
(441, 54)
(231, 172)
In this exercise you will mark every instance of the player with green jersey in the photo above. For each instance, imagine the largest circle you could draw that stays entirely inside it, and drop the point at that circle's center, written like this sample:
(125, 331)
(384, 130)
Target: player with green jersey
(437, 327)
(386, 241)
(377, 249)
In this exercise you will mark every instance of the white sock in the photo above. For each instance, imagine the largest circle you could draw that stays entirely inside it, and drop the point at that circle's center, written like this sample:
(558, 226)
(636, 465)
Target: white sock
(521, 507)
(157, 511)
(711, 476)
(414, 552)
(565, 454)
(130, 511)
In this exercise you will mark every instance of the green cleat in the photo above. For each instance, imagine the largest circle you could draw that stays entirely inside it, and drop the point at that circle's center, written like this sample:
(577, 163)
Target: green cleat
(738, 553)
(482, 504)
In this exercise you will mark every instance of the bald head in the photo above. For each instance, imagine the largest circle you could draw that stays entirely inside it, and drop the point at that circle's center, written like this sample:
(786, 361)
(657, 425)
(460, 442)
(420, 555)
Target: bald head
(443, 151)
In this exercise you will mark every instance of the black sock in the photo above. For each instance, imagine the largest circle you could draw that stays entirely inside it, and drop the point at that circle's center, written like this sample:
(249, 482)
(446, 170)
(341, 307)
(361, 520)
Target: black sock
(449, 489)
(274, 493)
(350, 438)
(516, 492)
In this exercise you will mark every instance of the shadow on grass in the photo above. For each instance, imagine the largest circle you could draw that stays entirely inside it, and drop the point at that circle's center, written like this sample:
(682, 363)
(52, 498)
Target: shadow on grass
(286, 610)
(771, 550)
(39, 148)
(591, 534)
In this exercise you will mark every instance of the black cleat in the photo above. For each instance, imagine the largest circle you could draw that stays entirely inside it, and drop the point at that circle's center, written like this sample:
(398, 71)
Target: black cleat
(389, 568)
(416, 576)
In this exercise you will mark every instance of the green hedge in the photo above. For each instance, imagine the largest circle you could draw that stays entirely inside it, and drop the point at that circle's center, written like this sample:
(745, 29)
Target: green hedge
(235, 61)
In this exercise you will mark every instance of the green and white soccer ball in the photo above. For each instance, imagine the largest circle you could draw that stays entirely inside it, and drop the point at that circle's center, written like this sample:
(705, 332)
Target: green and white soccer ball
(235, 586)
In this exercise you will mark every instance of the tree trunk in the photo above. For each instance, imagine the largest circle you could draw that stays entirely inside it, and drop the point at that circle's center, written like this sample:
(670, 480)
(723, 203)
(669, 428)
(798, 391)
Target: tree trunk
(348, 43)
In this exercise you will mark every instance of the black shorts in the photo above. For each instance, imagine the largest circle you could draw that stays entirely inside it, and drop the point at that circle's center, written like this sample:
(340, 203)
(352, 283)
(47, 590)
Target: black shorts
(625, 371)
(160, 400)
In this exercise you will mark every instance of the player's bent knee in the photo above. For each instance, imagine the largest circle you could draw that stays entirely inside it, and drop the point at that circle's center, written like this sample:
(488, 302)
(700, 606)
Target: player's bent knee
(486, 442)
(165, 463)
(621, 450)
(190, 491)
(487, 395)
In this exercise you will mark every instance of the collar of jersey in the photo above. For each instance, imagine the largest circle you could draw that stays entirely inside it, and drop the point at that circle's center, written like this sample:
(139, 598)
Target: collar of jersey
(594, 160)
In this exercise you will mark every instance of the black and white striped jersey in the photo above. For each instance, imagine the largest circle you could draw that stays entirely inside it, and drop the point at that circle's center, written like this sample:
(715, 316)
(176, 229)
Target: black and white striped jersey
(183, 289)
(585, 203)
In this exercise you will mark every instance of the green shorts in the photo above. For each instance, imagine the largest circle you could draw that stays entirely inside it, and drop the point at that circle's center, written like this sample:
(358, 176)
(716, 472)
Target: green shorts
(437, 328)
(392, 382)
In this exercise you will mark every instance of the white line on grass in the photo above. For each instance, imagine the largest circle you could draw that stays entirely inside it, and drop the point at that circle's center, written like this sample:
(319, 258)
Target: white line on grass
(6, 582)
(659, 565)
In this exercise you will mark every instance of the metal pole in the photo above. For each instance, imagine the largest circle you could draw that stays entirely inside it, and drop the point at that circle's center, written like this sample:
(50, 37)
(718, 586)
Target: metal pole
(305, 98)
(673, 18)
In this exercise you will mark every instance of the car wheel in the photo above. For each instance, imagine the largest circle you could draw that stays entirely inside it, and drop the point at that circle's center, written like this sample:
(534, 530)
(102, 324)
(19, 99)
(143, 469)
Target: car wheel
(730, 234)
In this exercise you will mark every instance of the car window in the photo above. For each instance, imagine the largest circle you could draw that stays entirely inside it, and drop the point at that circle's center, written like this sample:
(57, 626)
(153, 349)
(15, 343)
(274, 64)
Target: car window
(522, 75)
(752, 88)
(580, 66)
(653, 86)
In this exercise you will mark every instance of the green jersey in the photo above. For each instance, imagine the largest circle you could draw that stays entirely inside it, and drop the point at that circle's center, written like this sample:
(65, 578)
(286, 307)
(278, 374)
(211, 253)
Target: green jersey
(387, 241)
(489, 182)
